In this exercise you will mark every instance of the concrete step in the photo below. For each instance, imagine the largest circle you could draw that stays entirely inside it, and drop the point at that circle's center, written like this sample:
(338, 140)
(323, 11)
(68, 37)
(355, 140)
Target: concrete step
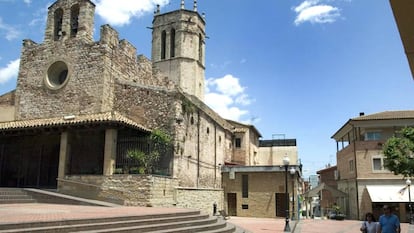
(179, 226)
(15, 195)
(191, 221)
(143, 219)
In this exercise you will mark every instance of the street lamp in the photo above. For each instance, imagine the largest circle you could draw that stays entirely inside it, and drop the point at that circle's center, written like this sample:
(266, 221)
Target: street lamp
(408, 183)
(292, 172)
(286, 164)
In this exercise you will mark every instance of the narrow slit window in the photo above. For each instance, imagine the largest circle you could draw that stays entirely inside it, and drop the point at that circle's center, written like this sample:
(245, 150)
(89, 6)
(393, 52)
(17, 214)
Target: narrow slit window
(172, 43)
(163, 44)
(74, 20)
(58, 24)
(200, 48)
(245, 186)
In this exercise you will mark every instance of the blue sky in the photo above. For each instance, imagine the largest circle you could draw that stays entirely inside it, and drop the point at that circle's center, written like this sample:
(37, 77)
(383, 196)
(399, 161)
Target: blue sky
(293, 68)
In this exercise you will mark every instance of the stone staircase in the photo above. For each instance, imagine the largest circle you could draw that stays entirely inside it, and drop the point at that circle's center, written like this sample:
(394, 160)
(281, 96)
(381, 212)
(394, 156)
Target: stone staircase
(190, 221)
(15, 195)
(179, 222)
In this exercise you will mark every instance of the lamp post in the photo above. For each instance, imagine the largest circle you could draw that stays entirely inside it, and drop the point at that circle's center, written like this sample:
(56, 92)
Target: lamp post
(292, 172)
(408, 183)
(286, 164)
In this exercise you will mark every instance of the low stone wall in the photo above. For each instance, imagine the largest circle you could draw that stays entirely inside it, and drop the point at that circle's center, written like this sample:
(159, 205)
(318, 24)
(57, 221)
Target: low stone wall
(132, 190)
(201, 199)
(142, 190)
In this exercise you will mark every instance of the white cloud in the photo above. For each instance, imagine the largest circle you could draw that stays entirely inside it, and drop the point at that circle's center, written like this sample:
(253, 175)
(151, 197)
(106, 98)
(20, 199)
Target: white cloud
(118, 14)
(315, 12)
(225, 95)
(10, 71)
(10, 32)
(27, 1)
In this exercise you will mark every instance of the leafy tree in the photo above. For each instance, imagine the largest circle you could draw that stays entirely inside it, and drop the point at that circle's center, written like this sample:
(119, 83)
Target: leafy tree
(399, 153)
(148, 161)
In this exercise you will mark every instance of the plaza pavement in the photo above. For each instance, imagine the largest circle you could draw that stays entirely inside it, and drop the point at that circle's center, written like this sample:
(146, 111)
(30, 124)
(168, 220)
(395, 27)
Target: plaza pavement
(270, 225)
(19, 213)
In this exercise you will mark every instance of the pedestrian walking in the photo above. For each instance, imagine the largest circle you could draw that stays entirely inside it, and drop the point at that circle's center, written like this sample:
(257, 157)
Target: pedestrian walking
(369, 225)
(388, 222)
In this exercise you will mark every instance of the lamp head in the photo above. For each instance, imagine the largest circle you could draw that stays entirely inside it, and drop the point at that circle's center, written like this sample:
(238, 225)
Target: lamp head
(286, 160)
(292, 171)
(408, 182)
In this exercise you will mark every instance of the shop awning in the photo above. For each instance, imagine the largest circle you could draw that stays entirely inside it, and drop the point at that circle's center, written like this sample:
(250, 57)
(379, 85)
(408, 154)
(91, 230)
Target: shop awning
(388, 193)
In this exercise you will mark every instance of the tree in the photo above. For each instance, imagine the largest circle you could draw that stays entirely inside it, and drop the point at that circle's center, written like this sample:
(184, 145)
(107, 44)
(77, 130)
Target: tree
(147, 161)
(399, 153)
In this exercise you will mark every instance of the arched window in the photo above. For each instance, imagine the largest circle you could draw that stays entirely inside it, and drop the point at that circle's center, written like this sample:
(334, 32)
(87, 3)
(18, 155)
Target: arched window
(172, 43)
(58, 33)
(163, 44)
(74, 20)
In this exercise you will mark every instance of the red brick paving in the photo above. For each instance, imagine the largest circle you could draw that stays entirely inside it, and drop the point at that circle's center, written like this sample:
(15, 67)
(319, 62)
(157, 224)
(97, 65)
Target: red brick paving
(19, 213)
(269, 225)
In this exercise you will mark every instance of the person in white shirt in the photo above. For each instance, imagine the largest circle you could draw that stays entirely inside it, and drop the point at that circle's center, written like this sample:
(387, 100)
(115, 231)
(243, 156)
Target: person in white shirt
(369, 225)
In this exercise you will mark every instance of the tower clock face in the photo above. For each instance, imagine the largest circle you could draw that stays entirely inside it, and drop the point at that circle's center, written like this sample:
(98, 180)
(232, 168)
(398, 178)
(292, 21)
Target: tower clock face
(57, 75)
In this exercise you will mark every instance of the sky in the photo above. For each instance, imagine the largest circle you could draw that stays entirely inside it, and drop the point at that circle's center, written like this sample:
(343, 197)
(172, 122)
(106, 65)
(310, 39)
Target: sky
(292, 68)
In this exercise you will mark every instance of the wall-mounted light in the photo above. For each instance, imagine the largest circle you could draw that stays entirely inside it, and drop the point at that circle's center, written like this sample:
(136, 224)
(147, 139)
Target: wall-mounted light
(68, 117)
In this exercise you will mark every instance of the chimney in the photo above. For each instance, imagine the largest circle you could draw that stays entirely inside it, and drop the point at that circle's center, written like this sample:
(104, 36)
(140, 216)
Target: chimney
(361, 114)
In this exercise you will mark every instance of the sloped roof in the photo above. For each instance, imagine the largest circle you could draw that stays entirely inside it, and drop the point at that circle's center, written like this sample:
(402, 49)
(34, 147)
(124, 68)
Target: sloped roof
(242, 128)
(387, 115)
(106, 117)
(315, 191)
(381, 116)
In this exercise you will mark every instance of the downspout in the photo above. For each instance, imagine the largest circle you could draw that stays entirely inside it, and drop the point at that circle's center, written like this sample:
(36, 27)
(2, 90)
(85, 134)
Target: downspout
(215, 154)
(198, 147)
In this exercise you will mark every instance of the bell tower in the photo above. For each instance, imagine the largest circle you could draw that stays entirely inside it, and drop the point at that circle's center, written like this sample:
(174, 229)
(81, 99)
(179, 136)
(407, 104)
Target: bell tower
(69, 19)
(178, 48)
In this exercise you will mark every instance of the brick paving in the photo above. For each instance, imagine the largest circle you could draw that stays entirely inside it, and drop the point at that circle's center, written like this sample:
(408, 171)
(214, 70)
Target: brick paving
(36, 212)
(269, 225)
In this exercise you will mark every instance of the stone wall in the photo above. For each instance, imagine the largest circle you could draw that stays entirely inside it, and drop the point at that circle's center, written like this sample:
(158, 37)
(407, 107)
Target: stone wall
(262, 187)
(141, 190)
(201, 199)
(133, 190)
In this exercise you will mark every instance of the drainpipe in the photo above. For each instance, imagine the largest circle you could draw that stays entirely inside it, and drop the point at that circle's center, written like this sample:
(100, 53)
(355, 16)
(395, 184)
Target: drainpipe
(215, 155)
(198, 147)
(356, 136)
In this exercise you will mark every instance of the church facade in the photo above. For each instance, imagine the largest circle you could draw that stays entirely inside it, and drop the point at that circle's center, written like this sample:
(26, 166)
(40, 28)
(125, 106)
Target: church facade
(80, 105)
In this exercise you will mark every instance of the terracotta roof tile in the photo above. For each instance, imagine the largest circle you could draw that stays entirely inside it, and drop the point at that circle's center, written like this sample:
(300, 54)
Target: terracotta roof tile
(71, 120)
(387, 115)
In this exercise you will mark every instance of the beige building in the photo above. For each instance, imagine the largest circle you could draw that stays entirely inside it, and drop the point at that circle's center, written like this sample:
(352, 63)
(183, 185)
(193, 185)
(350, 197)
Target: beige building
(80, 105)
(361, 173)
(259, 189)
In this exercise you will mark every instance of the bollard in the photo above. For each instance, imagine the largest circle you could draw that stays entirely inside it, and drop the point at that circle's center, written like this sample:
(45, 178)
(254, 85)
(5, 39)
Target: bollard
(214, 208)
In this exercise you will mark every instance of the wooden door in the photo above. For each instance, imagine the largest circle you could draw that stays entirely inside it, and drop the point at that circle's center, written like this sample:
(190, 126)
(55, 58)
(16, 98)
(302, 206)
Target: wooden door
(232, 204)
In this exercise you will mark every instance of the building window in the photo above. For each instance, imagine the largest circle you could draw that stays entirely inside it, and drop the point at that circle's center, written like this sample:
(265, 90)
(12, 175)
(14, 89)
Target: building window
(351, 165)
(377, 164)
(245, 207)
(163, 44)
(200, 48)
(237, 142)
(372, 136)
(58, 24)
(245, 186)
(172, 43)
(57, 75)
(74, 20)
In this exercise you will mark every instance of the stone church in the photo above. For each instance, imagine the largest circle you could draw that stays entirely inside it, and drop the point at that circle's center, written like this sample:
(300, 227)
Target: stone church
(80, 105)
